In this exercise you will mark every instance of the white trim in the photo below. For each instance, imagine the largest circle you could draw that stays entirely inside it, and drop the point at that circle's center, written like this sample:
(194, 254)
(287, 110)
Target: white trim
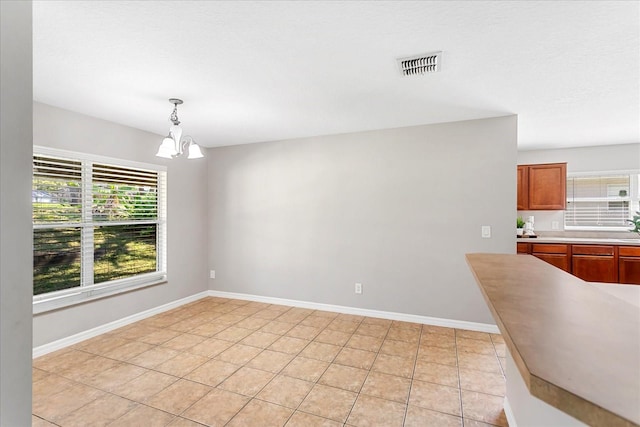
(511, 419)
(435, 321)
(88, 290)
(596, 228)
(81, 336)
(607, 172)
(413, 318)
(82, 294)
(76, 155)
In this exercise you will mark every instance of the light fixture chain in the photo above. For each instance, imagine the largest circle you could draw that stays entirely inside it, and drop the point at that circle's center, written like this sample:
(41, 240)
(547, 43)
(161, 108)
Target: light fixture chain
(174, 115)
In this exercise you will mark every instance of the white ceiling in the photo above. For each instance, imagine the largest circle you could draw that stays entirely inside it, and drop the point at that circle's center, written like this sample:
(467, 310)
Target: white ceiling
(259, 71)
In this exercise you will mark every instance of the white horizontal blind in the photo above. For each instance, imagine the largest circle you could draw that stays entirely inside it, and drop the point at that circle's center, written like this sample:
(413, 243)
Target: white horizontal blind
(124, 193)
(57, 190)
(56, 197)
(96, 223)
(125, 204)
(600, 201)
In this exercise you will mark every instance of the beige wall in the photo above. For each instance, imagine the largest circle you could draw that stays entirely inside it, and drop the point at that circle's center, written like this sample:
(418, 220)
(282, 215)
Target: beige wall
(15, 213)
(186, 218)
(395, 210)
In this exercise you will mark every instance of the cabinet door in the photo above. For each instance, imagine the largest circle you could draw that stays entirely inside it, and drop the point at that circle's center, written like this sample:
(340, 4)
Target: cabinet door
(523, 188)
(629, 270)
(558, 260)
(547, 186)
(594, 268)
(523, 248)
(629, 265)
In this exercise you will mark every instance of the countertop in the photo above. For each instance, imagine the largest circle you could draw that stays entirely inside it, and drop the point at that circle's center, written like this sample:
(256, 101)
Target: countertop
(580, 240)
(576, 347)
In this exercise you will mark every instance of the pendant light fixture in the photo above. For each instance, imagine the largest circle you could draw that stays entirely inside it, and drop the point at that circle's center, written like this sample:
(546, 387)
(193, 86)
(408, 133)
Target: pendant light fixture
(175, 144)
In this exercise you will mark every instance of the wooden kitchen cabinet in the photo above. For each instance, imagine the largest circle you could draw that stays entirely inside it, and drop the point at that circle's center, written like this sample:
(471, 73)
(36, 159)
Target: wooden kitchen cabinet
(591, 263)
(542, 186)
(558, 255)
(523, 187)
(629, 265)
(595, 263)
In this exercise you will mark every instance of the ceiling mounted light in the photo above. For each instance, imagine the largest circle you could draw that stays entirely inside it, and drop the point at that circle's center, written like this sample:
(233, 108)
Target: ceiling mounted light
(174, 144)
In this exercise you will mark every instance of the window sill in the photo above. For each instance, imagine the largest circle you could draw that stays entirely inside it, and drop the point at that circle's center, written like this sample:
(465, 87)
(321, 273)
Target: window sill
(75, 296)
(596, 228)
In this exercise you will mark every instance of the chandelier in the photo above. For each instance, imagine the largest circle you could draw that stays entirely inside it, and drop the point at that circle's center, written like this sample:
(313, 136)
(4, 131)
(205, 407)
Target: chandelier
(174, 144)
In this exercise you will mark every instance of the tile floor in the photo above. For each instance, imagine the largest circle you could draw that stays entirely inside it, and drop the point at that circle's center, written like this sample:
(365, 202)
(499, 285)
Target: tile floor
(224, 362)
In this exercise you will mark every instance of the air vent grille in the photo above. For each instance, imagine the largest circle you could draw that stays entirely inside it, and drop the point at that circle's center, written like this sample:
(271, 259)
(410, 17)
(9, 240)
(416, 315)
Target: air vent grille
(420, 64)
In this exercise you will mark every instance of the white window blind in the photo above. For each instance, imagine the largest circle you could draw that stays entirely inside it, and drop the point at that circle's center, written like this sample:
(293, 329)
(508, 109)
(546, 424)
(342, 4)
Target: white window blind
(601, 201)
(99, 226)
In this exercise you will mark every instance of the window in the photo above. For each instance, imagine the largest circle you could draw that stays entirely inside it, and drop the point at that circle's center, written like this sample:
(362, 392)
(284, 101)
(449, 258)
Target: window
(99, 226)
(601, 201)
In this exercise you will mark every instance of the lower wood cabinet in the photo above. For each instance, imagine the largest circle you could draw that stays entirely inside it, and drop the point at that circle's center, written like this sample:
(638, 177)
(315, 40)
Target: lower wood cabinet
(591, 263)
(629, 265)
(560, 261)
(555, 254)
(594, 263)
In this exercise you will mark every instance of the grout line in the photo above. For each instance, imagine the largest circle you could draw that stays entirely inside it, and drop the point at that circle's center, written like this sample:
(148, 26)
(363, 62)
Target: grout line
(370, 370)
(413, 374)
(455, 337)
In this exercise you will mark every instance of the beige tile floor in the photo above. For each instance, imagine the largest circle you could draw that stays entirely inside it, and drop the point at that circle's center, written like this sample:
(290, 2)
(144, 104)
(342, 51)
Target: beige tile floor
(224, 362)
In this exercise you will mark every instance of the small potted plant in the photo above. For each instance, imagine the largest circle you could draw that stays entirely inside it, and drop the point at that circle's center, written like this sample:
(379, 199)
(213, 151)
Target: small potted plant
(635, 222)
(519, 226)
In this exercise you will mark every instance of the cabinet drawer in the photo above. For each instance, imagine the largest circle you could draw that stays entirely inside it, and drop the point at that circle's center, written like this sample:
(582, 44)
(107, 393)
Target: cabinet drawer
(523, 248)
(592, 250)
(629, 251)
(546, 248)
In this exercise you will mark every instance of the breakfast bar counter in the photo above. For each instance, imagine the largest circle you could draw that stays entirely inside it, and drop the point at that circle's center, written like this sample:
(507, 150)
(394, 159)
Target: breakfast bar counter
(577, 348)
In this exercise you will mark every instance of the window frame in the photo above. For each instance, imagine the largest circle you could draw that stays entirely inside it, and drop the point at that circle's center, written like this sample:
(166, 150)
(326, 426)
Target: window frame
(66, 297)
(633, 198)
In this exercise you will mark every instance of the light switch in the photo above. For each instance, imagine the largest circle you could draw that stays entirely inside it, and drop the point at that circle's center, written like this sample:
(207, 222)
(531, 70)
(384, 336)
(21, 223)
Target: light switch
(486, 231)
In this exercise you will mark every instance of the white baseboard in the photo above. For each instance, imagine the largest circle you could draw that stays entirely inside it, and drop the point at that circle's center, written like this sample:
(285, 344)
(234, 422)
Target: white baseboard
(81, 336)
(511, 419)
(435, 321)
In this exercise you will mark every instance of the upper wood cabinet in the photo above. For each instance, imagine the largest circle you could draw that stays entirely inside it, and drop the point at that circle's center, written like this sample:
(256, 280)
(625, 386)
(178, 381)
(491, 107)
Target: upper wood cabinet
(523, 187)
(542, 187)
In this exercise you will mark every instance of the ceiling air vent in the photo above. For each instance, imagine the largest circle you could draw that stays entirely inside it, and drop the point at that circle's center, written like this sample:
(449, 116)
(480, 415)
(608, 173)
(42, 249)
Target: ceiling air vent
(420, 64)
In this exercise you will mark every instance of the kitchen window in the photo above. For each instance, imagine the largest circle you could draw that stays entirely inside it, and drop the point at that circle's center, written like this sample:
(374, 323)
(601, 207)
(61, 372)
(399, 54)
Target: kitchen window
(99, 227)
(601, 201)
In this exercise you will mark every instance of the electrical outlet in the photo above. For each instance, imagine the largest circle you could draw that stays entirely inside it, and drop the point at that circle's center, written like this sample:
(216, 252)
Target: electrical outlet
(212, 274)
(486, 231)
(358, 288)
(555, 225)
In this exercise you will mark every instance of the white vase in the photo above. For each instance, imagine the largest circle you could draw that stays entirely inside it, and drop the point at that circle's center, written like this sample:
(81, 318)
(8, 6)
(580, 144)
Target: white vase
(519, 231)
